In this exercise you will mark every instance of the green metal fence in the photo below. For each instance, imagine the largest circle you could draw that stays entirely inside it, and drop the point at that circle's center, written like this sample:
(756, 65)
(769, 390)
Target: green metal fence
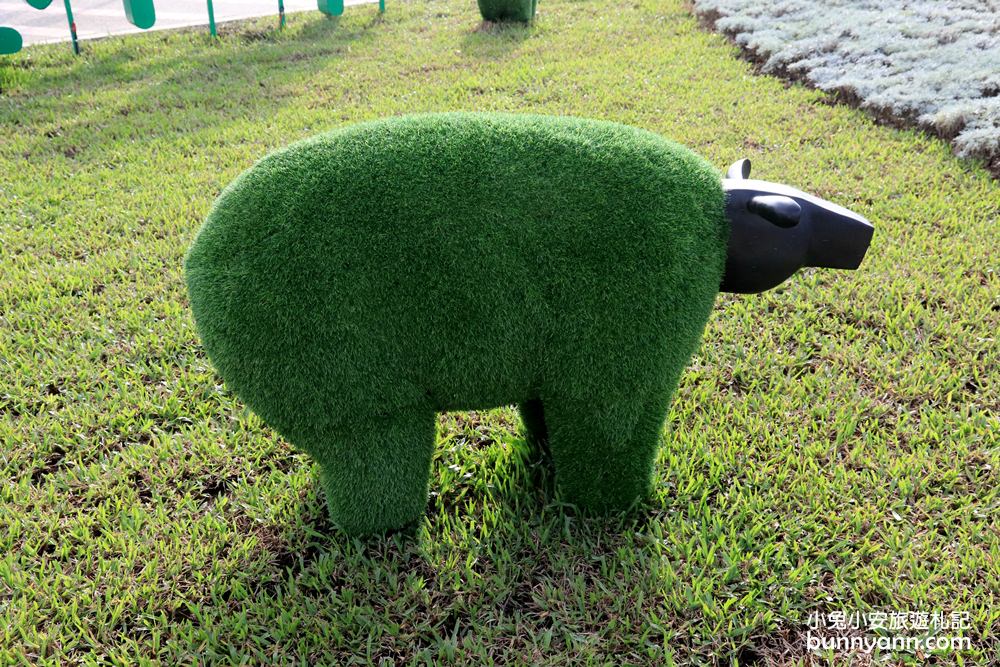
(142, 14)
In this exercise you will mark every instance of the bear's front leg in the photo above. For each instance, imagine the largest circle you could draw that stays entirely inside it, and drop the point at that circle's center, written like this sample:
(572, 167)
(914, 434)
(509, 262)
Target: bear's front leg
(604, 454)
(375, 471)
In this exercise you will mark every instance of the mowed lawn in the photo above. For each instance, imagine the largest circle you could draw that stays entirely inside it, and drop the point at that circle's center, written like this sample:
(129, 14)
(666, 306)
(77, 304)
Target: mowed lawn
(833, 445)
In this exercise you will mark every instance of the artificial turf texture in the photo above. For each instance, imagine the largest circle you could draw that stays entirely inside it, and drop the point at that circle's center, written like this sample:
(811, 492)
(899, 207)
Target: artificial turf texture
(832, 445)
(352, 285)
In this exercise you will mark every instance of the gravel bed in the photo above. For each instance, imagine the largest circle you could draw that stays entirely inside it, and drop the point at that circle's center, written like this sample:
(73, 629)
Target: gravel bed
(935, 64)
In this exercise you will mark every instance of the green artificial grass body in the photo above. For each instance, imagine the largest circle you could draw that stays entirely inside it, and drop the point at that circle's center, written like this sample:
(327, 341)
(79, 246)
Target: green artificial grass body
(508, 10)
(352, 285)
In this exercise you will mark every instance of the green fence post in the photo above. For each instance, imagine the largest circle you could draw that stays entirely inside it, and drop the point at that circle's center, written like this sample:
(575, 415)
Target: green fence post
(211, 19)
(72, 27)
(381, 6)
(281, 14)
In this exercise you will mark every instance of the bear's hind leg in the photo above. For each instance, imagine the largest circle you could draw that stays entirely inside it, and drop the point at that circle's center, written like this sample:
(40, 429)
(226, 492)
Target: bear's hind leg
(375, 472)
(533, 421)
(604, 455)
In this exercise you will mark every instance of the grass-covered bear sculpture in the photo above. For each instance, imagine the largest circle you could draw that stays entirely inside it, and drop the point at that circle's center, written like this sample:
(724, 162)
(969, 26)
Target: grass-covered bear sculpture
(352, 285)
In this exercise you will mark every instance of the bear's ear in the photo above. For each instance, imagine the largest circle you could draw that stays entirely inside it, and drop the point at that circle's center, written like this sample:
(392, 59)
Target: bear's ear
(739, 169)
(776, 209)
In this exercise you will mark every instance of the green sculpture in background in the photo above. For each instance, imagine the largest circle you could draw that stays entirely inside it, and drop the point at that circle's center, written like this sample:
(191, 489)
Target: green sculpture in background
(333, 8)
(140, 13)
(522, 11)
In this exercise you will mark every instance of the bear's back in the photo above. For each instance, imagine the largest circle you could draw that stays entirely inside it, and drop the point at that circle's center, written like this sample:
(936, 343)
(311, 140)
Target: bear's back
(450, 259)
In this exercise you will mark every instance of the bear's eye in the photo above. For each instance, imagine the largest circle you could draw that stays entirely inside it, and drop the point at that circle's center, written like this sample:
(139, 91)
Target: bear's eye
(776, 209)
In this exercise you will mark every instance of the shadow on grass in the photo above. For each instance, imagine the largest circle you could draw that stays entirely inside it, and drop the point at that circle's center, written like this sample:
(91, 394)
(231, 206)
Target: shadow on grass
(534, 530)
(184, 73)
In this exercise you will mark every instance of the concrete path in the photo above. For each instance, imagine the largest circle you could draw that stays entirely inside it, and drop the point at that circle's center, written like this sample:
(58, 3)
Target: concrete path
(100, 18)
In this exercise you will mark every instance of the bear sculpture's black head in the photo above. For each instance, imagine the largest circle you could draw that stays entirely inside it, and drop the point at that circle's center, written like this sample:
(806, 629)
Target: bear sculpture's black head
(774, 230)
